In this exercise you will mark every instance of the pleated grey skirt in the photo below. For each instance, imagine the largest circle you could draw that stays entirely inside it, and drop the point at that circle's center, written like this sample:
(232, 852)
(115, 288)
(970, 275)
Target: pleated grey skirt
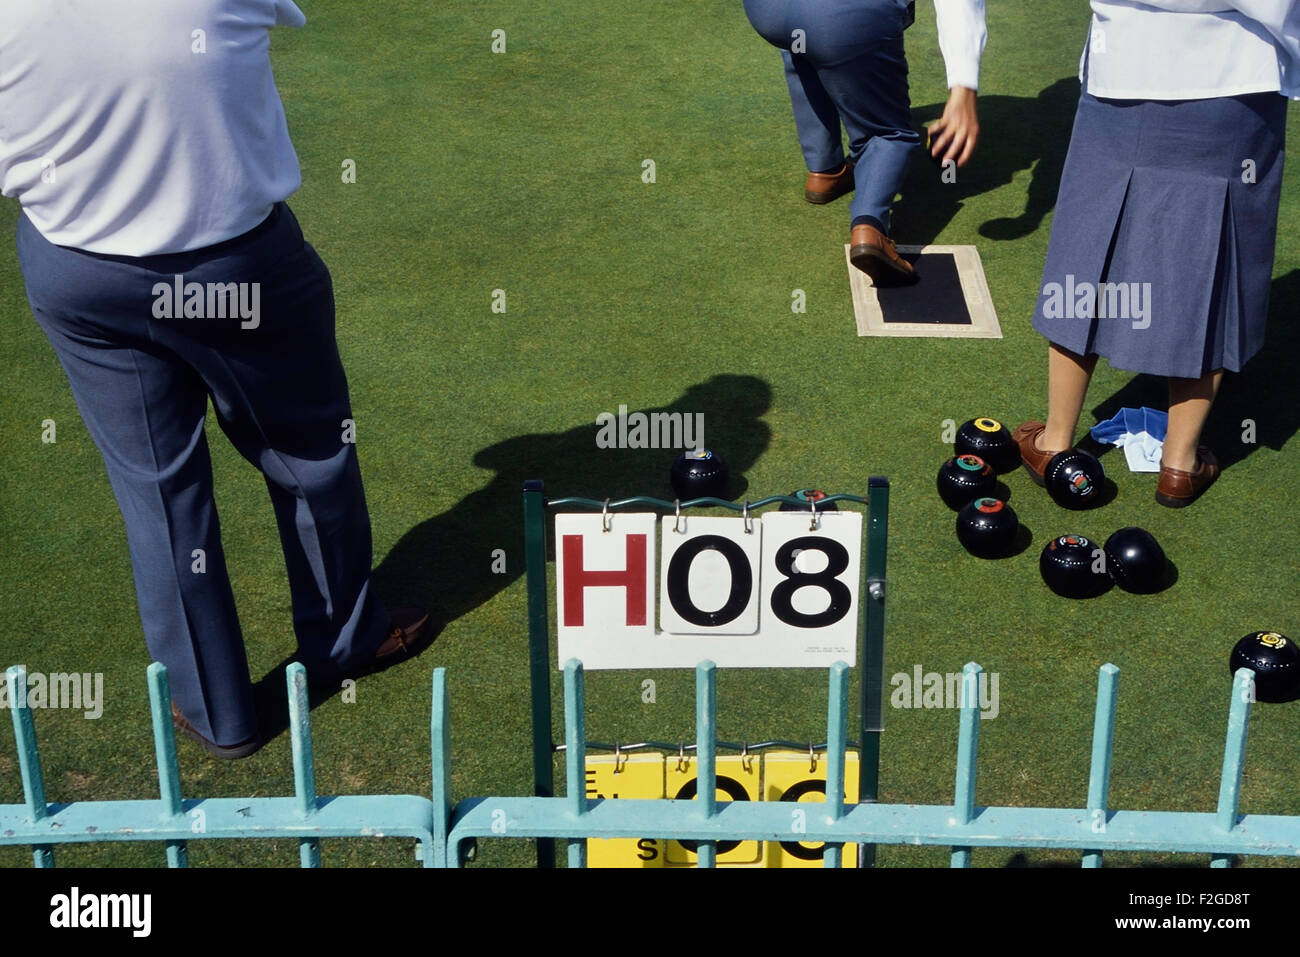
(1161, 252)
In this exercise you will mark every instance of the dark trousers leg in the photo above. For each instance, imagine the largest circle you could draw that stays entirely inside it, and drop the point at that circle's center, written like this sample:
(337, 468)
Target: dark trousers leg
(870, 92)
(144, 408)
(853, 58)
(295, 425)
(815, 118)
(142, 384)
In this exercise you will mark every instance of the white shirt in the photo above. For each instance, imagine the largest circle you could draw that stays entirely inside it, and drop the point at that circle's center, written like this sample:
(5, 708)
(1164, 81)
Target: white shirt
(961, 39)
(139, 127)
(1192, 49)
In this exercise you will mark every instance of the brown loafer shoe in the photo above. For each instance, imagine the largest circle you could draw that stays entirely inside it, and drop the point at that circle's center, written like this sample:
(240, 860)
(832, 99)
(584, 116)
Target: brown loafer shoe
(241, 750)
(875, 254)
(410, 634)
(822, 188)
(1032, 457)
(1178, 488)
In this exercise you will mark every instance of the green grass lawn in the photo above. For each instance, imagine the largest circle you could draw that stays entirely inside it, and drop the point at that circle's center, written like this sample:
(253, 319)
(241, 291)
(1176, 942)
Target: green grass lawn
(522, 171)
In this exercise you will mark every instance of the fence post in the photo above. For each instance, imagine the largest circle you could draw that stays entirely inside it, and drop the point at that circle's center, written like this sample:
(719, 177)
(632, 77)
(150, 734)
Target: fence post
(837, 704)
(575, 752)
(440, 741)
(164, 746)
(1234, 756)
(1103, 746)
(304, 766)
(29, 759)
(963, 810)
(706, 773)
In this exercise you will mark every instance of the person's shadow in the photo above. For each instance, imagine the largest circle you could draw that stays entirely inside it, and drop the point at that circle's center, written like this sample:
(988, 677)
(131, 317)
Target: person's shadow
(1016, 133)
(1258, 406)
(450, 562)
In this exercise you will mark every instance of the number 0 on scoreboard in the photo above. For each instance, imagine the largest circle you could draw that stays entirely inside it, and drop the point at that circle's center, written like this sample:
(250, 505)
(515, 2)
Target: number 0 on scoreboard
(766, 592)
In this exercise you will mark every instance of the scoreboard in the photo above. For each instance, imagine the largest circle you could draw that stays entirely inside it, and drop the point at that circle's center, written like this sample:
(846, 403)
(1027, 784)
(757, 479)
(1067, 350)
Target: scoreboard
(776, 591)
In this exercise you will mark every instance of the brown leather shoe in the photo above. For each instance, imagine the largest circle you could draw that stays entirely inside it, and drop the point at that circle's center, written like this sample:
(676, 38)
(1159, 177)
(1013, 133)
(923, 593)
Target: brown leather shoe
(822, 188)
(1032, 457)
(875, 254)
(1178, 488)
(241, 750)
(410, 633)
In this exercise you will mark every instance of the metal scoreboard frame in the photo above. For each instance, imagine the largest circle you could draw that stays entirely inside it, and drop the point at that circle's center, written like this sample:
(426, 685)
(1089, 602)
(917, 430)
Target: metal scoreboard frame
(870, 637)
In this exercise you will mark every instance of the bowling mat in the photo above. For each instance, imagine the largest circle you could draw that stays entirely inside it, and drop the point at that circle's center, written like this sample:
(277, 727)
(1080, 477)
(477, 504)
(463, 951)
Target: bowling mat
(951, 300)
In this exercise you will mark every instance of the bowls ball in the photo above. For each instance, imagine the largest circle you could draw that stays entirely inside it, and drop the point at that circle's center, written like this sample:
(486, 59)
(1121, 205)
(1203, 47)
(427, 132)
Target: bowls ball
(1136, 561)
(964, 478)
(1070, 567)
(1074, 479)
(699, 473)
(987, 527)
(1275, 659)
(807, 495)
(990, 440)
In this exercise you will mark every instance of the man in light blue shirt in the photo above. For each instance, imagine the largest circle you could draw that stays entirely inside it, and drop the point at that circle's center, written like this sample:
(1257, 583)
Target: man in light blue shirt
(148, 148)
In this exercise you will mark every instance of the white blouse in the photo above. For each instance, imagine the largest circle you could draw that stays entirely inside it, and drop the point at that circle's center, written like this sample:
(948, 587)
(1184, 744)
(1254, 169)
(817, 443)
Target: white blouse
(1192, 49)
(961, 39)
(138, 127)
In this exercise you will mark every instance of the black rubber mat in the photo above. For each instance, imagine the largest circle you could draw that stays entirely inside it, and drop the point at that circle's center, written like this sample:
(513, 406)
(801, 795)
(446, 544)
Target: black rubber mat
(937, 299)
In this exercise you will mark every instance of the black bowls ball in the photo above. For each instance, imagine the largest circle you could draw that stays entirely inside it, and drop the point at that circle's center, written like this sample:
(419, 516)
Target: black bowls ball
(987, 527)
(1136, 561)
(1072, 566)
(990, 440)
(699, 473)
(806, 496)
(964, 478)
(1275, 659)
(1074, 479)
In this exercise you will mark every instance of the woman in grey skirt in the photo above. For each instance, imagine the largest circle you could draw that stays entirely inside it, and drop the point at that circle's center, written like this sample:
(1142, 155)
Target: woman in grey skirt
(1161, 252)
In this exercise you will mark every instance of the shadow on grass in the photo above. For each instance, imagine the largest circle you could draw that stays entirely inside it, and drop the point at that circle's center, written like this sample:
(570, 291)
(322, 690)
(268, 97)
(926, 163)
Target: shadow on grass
(446, 562)
(1017, 133)
(1265, 394)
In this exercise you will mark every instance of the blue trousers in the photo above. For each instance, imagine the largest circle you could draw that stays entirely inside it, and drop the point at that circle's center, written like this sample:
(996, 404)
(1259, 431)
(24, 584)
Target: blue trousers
(142, 384)
(844, 64)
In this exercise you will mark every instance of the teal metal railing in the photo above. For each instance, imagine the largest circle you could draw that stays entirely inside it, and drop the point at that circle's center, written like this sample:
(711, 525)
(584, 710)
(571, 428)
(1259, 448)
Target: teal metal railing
(962, 825)
(443, 828)
(175, 821)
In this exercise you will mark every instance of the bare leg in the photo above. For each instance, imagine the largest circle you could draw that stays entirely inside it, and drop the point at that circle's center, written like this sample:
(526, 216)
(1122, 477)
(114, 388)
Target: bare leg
(1189, 405)
(1067, 384)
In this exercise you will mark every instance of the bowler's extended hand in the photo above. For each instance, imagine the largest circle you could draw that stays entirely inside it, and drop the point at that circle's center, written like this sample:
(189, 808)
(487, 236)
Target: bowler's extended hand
(953, 136)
